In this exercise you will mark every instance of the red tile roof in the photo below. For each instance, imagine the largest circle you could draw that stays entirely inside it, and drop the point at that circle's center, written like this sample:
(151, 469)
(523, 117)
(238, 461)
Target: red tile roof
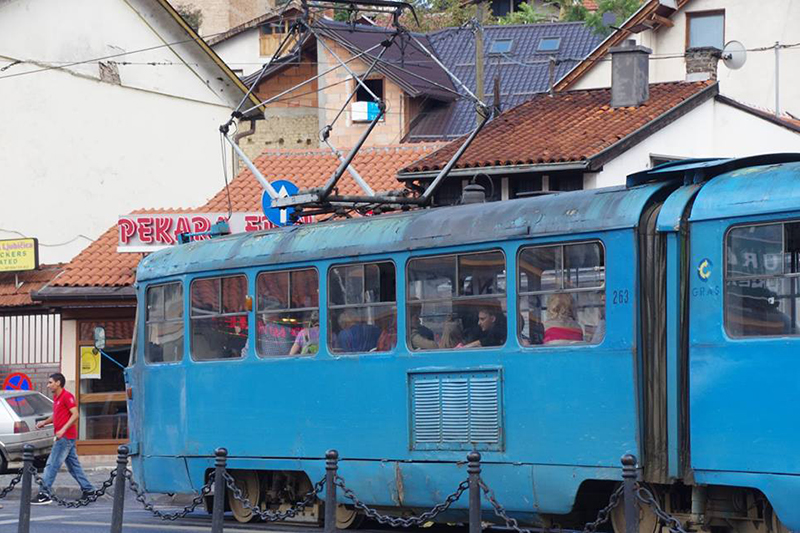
(311, 168)
(567, 127)
(30, 281)
(591, 5)
(100, 265)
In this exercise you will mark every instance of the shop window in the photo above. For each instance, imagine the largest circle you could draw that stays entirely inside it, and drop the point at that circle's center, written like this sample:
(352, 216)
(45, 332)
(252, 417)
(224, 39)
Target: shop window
(362, 308)
(705, 28)
(219, 318)
(762, 284)
(457, 301)
(561, 291)
(164, 323)
(288, 313)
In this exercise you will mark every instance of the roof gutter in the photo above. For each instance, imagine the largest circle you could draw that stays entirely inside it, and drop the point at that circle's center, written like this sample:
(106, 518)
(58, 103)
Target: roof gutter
(52, 294)
(207, 49)
(499, 170)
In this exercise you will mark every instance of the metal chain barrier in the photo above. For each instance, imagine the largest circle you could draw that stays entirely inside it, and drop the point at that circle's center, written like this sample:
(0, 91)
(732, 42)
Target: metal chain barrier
(270, 516)
(80, 502)
(605, 513)
(396, 521)
(591, 527)
(148, 506)
(6, 491)
(644, 495)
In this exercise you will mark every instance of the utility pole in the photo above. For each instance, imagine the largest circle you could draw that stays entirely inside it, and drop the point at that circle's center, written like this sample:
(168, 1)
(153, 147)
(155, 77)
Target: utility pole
(479, 92)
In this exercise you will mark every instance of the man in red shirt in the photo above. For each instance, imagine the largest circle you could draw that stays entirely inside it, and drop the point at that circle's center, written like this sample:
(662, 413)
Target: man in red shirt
(64, 420)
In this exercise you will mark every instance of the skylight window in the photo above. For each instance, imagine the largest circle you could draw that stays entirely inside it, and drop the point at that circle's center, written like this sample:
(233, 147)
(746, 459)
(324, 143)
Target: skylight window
(549, 44)
(501, 46)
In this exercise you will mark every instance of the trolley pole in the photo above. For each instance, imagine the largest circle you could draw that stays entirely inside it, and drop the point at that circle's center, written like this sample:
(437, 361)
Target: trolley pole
(474, 472)
(629, 491)
(218, 512)
(24, 525)
(331, 469)
(119, 490)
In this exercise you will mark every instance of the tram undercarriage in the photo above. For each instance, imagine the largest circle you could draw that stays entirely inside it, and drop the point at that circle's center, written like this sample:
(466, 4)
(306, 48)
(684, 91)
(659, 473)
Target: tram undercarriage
(713, 509)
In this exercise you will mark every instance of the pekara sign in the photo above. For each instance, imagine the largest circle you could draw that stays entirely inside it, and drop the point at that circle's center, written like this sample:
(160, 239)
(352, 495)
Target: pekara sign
(148, 232)
(17, 255)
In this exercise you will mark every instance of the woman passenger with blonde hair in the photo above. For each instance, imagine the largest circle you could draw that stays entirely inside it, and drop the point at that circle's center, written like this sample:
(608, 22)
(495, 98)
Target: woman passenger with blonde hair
(560, 326)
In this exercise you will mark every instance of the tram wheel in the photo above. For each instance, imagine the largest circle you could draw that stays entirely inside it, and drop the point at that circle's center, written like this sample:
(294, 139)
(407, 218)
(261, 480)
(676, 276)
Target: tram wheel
(648, 522)
(347, 518)
(247, 481)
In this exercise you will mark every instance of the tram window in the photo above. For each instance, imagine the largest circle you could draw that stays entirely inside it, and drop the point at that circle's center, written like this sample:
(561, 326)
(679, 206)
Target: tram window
(762, 285)
(219, 318)
(561, 291)
(164, 323)
(457, 301)
(362, 308)
(288, 313)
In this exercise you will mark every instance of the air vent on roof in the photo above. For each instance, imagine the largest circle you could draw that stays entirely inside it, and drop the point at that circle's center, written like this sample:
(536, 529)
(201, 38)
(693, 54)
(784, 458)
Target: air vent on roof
(549, 44)
(501, 46)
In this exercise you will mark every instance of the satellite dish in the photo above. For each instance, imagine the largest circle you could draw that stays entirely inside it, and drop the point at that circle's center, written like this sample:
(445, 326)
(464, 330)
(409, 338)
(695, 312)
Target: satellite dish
(734, 55)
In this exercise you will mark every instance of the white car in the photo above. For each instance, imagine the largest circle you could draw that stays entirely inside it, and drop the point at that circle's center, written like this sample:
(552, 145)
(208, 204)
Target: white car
(19, 412)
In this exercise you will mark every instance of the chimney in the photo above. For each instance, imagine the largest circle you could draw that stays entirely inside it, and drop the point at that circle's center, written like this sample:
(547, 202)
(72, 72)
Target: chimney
(630, 74)
(701, 63)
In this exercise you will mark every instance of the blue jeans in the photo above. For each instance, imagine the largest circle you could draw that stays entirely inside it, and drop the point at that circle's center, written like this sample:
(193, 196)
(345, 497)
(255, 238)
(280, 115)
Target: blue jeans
(64, 451)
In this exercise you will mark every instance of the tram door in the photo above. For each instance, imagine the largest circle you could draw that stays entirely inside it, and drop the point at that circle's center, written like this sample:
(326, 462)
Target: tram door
(744, 345)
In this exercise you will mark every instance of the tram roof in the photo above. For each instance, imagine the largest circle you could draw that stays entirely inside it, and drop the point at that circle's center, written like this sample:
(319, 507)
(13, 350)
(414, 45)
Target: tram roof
(554, 214)
(751, 190)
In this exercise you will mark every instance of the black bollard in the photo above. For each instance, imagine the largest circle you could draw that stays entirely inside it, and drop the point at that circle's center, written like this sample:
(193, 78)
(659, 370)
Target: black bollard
(474, 472)
(629, 491)
(218, 512)
(119, 490)
(331, 469)
(25, 498)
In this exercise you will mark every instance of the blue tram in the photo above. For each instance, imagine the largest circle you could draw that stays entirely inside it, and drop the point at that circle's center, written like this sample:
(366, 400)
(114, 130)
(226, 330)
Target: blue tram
(553, 334)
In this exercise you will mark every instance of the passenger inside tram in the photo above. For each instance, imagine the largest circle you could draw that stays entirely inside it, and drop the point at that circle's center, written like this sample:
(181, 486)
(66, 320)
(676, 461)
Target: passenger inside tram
(560, 326)
(421, 337)
(491, 330)
(307, 340)
(452, 334)
(355, 335)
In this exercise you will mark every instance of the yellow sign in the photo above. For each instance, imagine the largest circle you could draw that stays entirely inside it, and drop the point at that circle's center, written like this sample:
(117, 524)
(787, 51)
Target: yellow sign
(19, 254)
(90, 363)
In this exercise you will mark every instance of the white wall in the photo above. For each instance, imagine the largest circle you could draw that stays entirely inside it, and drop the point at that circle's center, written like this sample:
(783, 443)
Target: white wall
(711, 130)
(76, 151)
(242, 52)
(755, 25)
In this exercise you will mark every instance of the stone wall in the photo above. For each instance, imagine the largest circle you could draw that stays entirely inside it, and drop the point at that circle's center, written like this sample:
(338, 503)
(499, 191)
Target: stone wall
(339, 84)
(281, 129)
(222, 15)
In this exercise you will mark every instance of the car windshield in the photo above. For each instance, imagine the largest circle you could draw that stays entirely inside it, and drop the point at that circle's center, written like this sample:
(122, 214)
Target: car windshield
(30, 404)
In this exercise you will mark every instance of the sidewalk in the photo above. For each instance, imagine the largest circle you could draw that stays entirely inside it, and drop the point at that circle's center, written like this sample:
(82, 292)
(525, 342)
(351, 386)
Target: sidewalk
(98, 469)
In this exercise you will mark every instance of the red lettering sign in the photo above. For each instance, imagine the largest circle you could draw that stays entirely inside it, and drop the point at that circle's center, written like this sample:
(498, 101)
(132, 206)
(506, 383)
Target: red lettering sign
(126, 230)
(146, 230)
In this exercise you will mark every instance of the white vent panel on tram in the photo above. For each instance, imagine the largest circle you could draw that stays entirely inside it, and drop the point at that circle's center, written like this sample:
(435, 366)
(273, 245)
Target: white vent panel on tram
(456, 410)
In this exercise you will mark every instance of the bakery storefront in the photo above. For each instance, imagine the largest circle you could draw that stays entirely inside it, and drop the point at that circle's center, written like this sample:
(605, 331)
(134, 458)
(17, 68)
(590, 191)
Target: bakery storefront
(95, 292)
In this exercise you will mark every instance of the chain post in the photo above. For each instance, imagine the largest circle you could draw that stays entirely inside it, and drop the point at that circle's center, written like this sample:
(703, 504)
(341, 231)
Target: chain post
(119, 490)
(218, 512)
(24, 525)
(629, 491)
(474, 472)
(331, 470)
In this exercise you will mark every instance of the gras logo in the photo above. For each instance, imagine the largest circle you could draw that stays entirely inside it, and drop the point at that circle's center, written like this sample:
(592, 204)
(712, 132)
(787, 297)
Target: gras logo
(704, 269)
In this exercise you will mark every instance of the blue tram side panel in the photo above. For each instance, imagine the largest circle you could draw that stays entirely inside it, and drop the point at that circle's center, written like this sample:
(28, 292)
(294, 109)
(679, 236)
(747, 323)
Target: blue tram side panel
(559, 416)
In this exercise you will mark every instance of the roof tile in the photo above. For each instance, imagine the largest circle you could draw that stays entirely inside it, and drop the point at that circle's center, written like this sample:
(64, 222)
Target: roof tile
(567, 127)
(100, 265)
(12, 295)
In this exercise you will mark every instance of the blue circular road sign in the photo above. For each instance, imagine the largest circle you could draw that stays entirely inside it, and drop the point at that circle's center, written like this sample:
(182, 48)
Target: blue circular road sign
(279, 217)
